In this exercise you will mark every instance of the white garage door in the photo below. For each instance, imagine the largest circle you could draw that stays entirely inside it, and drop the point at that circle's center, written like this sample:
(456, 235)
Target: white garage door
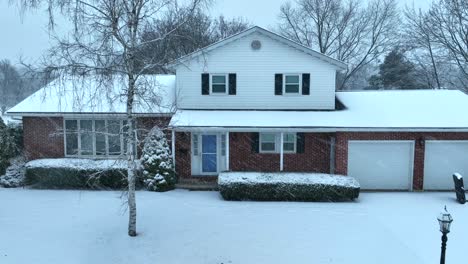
(442, 159)
(381, 165)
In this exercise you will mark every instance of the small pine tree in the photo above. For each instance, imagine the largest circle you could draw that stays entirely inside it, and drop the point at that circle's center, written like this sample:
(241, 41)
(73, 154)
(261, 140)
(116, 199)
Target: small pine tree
(157, 162)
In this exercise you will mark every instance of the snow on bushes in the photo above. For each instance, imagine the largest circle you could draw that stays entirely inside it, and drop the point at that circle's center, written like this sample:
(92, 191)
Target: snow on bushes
(14, 175)
(77, 174)
(157, 162)
(287, 186)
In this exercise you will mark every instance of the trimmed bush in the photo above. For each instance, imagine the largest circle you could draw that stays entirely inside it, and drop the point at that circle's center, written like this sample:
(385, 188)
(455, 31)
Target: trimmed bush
(77, 174)
(287, 187)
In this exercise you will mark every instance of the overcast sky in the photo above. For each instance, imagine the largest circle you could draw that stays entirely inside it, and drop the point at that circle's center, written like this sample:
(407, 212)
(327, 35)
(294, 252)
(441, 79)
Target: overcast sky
(27, 36)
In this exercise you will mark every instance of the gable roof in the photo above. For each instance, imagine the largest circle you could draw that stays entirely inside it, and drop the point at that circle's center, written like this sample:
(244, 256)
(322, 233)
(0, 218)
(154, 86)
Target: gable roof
(337, 63)
(78, 96)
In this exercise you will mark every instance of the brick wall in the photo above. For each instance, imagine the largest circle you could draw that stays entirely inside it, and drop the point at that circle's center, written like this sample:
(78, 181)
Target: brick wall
(342, 138)
(43, 137)
(316, 157)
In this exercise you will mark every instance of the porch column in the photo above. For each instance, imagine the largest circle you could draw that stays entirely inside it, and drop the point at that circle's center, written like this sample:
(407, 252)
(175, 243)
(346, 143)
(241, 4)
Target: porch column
(281, 151)
(227, 150)
(173, 147)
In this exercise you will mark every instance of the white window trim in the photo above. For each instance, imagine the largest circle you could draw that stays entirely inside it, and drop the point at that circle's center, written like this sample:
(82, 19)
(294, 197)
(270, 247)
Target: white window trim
(277, 143)
(300, 83)
(93, 156)
(295, 143)
(227, 83)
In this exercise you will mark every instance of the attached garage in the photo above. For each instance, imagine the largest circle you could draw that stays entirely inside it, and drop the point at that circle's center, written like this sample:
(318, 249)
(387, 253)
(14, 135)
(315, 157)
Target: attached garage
(381, 165)
(442, 159)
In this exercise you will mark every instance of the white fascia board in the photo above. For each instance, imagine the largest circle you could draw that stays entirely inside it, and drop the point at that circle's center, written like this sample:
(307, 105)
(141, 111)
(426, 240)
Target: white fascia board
(70, 115)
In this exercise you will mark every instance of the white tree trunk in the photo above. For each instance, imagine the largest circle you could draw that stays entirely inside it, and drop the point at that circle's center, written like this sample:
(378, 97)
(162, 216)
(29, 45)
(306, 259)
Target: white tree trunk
(132, 169)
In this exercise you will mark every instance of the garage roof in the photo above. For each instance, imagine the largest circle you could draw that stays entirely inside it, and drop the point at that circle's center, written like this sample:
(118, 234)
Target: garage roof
(364, 110)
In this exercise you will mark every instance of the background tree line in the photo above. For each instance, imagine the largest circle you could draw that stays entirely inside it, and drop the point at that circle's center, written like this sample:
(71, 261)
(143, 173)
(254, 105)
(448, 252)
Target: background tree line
(385, 46)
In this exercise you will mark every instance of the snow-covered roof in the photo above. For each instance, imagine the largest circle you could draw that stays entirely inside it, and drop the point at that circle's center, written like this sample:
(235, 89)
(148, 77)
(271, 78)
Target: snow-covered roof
(92, 95)
(366, 110)
(337, 63)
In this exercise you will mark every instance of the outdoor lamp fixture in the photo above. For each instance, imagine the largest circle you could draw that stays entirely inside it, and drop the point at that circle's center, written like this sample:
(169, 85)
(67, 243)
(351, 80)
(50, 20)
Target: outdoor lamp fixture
(445, 219)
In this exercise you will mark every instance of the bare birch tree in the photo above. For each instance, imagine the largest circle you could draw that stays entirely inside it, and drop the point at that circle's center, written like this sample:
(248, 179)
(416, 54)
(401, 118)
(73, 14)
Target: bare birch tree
(343, 29)
(104, 42)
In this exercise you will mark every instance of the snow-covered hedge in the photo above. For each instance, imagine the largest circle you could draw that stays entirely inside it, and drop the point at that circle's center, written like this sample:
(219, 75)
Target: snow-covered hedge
(77, 174)
(8, 148)
(287, 186)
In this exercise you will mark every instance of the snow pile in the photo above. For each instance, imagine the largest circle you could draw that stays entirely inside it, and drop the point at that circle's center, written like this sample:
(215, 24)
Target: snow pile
(157, 162)
(14, 175)
(77, 164)
(287, 186)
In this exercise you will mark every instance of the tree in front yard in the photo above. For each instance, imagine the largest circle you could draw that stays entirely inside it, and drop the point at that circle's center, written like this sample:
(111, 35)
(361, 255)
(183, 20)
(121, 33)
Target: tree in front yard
(104, 44)
(157, 162)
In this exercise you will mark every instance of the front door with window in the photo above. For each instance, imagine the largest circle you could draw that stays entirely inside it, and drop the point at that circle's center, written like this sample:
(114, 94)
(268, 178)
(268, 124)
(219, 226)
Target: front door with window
(209, 154)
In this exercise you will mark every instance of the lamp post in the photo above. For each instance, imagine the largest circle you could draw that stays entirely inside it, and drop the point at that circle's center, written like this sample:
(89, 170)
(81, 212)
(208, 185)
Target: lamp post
(445, 219)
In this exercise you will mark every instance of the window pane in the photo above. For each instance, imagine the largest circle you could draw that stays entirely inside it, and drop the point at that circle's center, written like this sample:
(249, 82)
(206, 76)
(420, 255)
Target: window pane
(219, 79)
(100, 126)
(86, 134)
(113, 128)
(294, 79)
(289, 138)
(268, 146)
(71, 133)
(292, 88)
(195, 144)
(223, 145)
(268, 137)
(288, 147)
(219, 88)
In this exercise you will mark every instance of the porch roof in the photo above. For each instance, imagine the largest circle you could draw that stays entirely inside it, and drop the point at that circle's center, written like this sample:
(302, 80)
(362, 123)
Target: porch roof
(424, 110)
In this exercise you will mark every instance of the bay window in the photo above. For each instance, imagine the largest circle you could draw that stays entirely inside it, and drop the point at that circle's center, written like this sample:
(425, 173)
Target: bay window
(95, 138)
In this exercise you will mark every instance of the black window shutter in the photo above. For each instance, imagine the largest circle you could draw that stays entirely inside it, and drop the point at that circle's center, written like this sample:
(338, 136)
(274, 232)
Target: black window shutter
(300, 137)
(278, 84)
(306, 83)
(255, 142)
(232, 84)
(205, 83)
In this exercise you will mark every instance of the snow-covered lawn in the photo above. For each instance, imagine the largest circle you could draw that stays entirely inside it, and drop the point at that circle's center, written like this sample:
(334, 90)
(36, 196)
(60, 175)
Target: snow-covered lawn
(198, 227)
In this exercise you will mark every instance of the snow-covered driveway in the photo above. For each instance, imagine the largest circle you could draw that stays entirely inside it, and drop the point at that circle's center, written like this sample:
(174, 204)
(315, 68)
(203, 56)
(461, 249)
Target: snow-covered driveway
(198, 227)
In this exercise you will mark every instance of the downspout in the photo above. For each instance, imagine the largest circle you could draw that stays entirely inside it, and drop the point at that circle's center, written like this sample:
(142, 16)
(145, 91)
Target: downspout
(332, 154)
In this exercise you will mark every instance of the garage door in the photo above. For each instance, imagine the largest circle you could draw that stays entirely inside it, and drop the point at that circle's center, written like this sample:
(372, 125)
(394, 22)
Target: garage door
(381, 165)
(442, 159)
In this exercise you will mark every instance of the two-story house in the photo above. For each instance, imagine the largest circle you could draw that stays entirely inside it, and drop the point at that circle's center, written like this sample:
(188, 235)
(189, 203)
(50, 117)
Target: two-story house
(257, 101)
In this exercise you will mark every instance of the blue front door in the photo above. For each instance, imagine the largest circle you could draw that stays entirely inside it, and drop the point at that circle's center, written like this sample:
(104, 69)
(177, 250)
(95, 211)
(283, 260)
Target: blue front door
(209, 154)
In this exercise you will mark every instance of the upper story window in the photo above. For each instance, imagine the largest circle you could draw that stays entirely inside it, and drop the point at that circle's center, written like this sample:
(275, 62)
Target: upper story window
(292, 83)
(218, 83)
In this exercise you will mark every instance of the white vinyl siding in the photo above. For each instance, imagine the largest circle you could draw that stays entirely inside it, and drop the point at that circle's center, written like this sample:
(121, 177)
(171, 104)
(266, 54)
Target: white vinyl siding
(256, 77)
(94, 138)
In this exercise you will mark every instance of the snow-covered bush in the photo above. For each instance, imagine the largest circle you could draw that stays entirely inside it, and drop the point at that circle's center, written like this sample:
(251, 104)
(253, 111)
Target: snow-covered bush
(287, 187)
(14, 175)
(77, 174)
(158, 168)
(8, 147)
